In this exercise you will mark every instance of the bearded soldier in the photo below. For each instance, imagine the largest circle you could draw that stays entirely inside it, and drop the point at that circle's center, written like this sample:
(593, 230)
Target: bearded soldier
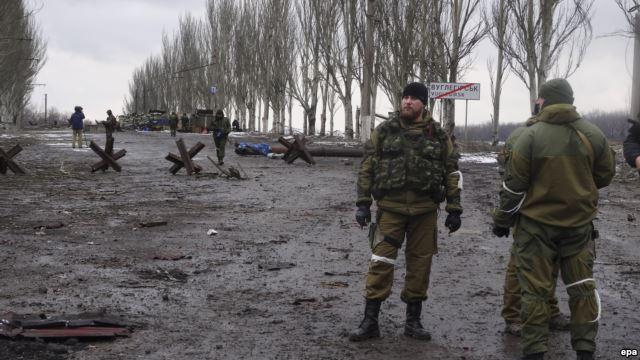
(550, 194)
(409, 168)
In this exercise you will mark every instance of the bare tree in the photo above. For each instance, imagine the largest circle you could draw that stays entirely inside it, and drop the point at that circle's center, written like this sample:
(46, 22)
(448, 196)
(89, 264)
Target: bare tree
(497, 25)
(546, 36)
(457, 30)
(22, 56)
(341, 57)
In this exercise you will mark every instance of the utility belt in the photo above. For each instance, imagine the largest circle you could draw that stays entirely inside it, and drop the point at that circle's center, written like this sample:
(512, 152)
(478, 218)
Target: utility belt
(438, 196)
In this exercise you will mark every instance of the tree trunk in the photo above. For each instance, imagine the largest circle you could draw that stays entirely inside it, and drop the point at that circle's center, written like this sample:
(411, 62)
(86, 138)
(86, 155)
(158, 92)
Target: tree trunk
(265, 116)
(367, 114)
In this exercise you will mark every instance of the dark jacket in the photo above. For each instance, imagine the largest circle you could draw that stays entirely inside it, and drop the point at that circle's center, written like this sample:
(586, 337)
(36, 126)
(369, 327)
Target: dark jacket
(632, 145)
(77, 120)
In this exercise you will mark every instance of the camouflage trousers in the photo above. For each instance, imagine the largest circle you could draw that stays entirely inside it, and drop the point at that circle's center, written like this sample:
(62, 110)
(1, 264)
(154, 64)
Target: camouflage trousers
(538, 248)
(392, 228)
(512, 294)
(220, 145)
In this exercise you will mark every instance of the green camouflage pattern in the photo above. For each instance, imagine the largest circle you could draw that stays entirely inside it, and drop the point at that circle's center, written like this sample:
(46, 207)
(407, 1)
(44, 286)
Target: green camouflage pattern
(221, 123)
(409, 160)
(550, 177)
(538, 249)
(420, 247)
(410, 168)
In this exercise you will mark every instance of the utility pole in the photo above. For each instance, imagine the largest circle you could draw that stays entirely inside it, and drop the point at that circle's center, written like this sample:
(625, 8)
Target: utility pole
(45, 109)
(366, 117)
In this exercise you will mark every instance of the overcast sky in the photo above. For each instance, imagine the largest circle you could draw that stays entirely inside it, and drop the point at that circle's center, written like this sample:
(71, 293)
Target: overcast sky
(94, 46)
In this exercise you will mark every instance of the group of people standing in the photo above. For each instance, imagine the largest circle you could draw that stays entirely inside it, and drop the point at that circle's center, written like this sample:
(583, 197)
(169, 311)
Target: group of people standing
(553, 167)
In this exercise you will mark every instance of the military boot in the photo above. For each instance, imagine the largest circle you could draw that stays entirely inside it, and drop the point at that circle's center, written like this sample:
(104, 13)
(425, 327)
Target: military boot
(536, 356)
(369, 326)
(559, 322)
(413, 328)
(584, 355)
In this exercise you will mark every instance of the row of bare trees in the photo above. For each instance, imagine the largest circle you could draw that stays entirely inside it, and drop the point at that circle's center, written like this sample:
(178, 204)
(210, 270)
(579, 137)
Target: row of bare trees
(22, 55)
(265, 55)
(536, 40)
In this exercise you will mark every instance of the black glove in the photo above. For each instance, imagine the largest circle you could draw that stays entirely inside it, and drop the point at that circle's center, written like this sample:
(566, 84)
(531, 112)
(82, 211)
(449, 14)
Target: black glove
(453, 221)
(363, 215)
(500, 231)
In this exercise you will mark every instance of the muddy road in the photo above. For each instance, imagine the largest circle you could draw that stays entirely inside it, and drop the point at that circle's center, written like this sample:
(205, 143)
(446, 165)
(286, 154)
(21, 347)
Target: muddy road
(284, 276)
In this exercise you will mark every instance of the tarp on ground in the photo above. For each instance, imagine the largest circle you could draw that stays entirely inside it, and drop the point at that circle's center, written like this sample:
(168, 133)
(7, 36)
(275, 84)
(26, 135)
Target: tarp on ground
(252, 149)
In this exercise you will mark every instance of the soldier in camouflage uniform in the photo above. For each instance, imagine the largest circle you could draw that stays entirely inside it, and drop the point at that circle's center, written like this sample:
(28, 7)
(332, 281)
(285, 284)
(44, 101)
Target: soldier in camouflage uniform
(409, 168)
(110, 124)
(511, 297)
(173, 123)
(221, 127)
(550, 195)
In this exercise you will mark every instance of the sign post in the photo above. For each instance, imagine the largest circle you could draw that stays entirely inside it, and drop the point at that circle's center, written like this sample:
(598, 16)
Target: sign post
(456, 91)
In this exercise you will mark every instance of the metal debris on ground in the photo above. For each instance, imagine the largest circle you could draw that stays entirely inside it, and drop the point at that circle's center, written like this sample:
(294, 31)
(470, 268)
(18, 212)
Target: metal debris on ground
(334, 284)
(107, 156)
(185, 158)
(231, 172)
(274, 266)
(70, 326)
(212, 232)
(7, 162)
(304, 300)
(148, 224)
(50, 226)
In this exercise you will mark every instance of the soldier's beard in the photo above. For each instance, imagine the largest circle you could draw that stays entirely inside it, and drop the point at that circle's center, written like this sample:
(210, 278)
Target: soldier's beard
(410, 114)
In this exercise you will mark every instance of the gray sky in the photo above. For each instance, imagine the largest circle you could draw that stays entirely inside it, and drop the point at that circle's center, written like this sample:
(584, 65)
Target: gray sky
(94, 46)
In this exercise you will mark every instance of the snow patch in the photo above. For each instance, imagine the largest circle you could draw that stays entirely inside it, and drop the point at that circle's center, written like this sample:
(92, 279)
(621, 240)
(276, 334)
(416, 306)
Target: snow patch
(480, 158)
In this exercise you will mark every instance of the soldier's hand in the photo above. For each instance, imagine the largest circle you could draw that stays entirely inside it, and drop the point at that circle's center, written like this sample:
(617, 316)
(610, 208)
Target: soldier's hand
(363, 215)
(500, 231)
(453, 222)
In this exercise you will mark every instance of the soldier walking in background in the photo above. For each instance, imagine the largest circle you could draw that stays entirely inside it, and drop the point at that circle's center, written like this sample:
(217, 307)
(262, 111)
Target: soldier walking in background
(185, 121)
(173, 123)
(110, 124)
(409, 168)
(631, 145)
(550, 195)
(77, 125)
(220, 130)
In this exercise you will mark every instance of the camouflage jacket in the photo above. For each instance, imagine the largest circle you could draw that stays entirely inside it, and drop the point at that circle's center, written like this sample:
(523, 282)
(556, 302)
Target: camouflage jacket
(555, 170)
(409, 167)
(221, 124)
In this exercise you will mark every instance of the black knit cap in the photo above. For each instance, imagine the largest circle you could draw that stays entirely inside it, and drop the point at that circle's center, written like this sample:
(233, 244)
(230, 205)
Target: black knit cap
(418, 91)
(220, 113)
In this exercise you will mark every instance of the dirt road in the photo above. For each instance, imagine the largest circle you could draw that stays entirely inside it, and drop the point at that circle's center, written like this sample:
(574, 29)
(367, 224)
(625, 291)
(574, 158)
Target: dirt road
(282, 279)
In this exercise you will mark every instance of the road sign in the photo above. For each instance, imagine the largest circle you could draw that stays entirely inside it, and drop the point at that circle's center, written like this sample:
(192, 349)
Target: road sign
(457, 91)
(213, 90)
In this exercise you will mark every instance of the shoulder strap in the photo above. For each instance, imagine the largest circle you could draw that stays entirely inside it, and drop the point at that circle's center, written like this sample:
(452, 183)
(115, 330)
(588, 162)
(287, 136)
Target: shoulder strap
(587, 143)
